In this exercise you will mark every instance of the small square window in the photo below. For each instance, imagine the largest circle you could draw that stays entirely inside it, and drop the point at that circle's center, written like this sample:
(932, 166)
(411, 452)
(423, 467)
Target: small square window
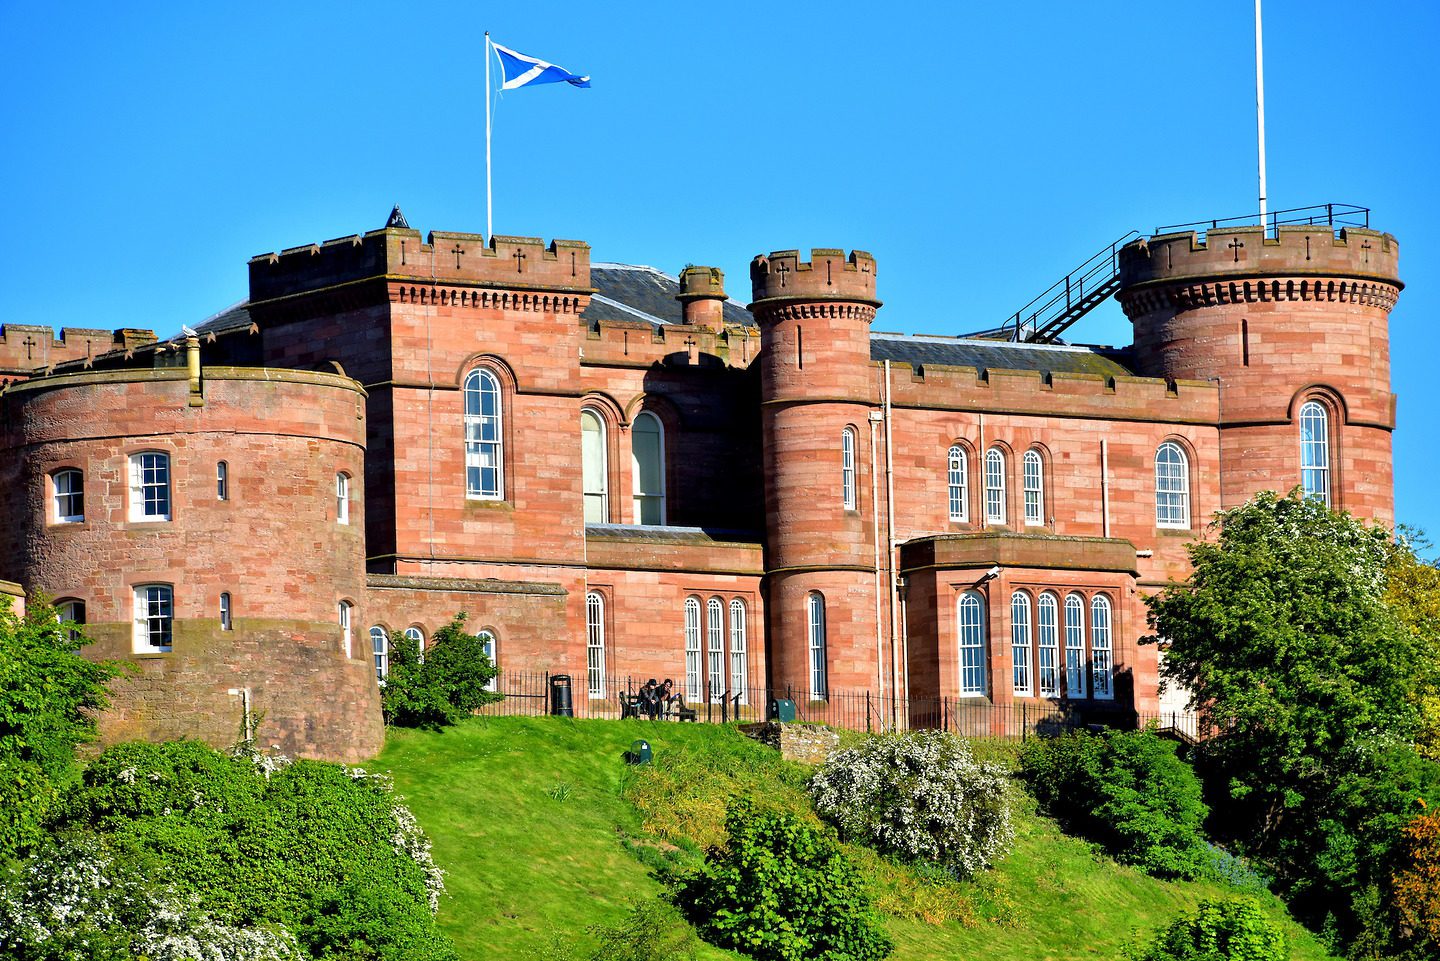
(68, 487)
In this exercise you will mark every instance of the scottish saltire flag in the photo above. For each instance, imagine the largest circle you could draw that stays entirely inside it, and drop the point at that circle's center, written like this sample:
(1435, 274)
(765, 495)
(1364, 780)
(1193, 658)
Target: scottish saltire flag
(519, 70)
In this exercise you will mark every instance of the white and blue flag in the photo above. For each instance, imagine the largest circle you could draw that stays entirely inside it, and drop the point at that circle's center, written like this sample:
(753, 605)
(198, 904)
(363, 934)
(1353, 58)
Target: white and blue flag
(518, 70)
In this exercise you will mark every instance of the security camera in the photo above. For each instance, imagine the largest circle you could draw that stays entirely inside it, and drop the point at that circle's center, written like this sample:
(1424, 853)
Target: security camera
(991, 574)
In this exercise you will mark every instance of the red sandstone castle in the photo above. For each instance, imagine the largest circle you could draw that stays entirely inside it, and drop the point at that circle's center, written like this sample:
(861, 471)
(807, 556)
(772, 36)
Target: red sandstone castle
(618, 473)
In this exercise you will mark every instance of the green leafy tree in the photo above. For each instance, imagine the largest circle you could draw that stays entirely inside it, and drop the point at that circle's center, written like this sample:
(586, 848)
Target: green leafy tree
(48, 696)
(439, 686)
(1412, 589)
(1312, 682)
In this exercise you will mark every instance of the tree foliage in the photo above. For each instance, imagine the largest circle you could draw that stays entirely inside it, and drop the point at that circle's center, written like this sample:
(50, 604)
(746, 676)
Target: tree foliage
(439, 686)
(1412, 590)
(1415, 887)
(1230, 930)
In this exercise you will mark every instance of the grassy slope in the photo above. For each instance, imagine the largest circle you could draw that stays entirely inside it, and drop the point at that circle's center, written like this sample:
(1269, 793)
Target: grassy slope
(527, 816)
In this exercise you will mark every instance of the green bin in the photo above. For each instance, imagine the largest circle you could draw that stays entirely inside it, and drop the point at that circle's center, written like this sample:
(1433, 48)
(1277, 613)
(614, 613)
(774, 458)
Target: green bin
(782, 710)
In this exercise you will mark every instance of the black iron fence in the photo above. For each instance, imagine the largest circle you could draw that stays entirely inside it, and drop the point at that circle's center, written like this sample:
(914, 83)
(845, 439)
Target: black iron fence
(532, 694)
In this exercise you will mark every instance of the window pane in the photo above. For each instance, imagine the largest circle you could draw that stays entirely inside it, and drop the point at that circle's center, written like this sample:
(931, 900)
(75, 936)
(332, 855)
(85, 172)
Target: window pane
(595, 644)
(1034, 489)
(715, 634)
(593, 472)
(971, 632)
(847, 468)
(1049, 645)
(739, 666)
(1315, 451)
(1100, 653)
(380, 645)
(958, 468)
(1172, 486)
(692, 649)
(1075, 646)
(69, 496)
(154, 617)
(994, 486)
(815, 606)
(1020, 643)
(483, 446)
(647, 450)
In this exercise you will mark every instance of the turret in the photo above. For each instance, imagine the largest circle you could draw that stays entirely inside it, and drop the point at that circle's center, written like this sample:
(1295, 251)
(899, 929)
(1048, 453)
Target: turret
(702, 297)
(1294, 331)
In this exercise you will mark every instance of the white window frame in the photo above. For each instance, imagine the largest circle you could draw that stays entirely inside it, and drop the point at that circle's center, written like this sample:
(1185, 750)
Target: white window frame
(484, 436)
(1102, 654)
(970, 644)
(1076, 675)
(595, 644)
(70, 612)
(595, 478)
(67, 492)
(848, 496)
(995, 512)
(417, 634)
(380, 648)
(1034, 488)
(816, 631)
(150, 487)
(1047, 624)
(643, 499)
(1022, 678)
(490, 644)
(715, 647)
(692, 649)
(345, 612)
(958, 484)
(227, 622)
(154, 618)
(739, 654)
(342, 498)
(1172, 486)
(222, 481)
(1315, 451)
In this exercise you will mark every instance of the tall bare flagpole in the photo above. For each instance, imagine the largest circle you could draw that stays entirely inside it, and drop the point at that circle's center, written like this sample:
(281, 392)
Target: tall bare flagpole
(489, 225)
(1260, 106)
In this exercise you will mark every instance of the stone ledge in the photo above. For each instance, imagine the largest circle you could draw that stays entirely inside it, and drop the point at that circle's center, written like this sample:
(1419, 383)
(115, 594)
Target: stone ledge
(463, 584)
(806, 743)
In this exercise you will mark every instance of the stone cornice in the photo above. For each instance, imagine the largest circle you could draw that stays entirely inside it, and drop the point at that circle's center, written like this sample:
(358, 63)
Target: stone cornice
(777, 309)
(1180, 295)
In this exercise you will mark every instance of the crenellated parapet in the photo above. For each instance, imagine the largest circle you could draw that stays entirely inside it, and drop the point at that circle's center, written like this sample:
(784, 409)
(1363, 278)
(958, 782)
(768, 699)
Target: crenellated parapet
(622, 343)
(782, 279)
(26, 348)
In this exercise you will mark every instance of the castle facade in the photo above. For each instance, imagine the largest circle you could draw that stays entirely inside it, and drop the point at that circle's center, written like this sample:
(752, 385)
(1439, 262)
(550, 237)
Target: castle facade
(618, 473)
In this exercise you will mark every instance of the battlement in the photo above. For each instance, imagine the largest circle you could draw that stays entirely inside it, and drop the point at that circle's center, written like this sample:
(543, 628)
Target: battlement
(25, 347)
(512, 263)
(829, 275)
(701, 283)
(1246, 253)
(619, 343)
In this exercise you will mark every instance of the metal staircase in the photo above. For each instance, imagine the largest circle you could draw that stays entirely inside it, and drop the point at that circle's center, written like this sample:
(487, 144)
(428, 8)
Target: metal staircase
(1069, 298)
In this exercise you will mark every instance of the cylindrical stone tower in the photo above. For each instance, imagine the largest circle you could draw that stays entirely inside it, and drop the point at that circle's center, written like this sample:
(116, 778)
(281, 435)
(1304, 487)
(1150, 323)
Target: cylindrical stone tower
(817, 392)
(1294, 332)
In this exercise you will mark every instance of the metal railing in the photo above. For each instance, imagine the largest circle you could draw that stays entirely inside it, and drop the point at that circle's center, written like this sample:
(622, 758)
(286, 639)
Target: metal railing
(1069, 298)
(1331, 215)
(527, 694)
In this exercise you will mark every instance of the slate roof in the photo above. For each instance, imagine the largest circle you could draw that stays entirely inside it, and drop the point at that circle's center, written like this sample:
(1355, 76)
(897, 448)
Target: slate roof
(630, 292)
(919, 350)
(234, 317)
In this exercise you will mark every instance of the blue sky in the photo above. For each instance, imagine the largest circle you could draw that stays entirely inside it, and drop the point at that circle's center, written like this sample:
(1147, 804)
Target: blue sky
(978, 150)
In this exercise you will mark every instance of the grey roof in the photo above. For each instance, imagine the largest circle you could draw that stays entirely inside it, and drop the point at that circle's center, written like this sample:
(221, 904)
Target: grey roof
(234, 317)
(631, 292)
(984, 354)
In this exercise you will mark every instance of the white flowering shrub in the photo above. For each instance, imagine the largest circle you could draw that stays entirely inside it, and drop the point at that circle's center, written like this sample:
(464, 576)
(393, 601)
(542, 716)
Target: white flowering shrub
(921, 796)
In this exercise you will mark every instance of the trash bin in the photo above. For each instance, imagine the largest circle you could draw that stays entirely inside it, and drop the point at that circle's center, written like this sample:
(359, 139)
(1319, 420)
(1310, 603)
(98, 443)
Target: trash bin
(560, 703)
(782, 710)
(639, 753)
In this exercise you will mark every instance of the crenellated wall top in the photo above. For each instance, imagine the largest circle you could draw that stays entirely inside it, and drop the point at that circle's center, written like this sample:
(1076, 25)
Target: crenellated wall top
(829, 275)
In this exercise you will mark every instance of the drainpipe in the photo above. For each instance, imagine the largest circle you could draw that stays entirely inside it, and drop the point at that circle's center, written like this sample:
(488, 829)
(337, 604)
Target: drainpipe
(1104, 487)
(875, 418)
(890, 539)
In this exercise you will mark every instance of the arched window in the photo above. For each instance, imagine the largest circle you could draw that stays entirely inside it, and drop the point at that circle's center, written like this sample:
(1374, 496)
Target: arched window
(593, 467)
(595, 644)
(1315, 451)
(484, 450)
(68, 488)
(154, 618)
(959, 484)
(847, 468)
(1075, 646)
(418, 636)
(994, 486)
(1034, 488)
(647, 455)
(380, 645)
(1047, 621)
(739, 664)
(815, 621)
(692, 648)
(225, 614)
(342, 498)
(1023, 683)
(150, 486)
(343, 609)
(1101, 659)
(487, 644)
(971, 622)
(222, 481)
(1172, 486)
(715, 636)
(70, 614)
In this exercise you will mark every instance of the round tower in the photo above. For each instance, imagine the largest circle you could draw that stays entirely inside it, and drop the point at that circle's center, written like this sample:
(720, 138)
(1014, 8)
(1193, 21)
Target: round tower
(1293, 331)
(817, 392)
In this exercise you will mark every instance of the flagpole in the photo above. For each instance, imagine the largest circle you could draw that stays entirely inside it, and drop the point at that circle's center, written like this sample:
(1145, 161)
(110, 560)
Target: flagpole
(1260, 108)
(489, 224)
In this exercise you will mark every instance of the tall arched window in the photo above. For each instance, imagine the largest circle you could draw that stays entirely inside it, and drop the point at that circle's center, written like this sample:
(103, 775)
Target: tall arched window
(343, 610)
(647, 455)
(994, 486)
(815, 618)
(715, 646)
(484, 448)
(971, 636)
(593, 468)
(739, 662)
(1034, 488)
(342, 498)
(692, 648)
(418, 636)
(1172, 486)
(959, 484)
(1048, 647)
(380, 645)
(1101, 658)
(226, 614)
(594, 644)
(847, 468)
(1021, 680)
(1315, 451)
(487, 644)
(222, 481)
(71, 613)
(1075, 646)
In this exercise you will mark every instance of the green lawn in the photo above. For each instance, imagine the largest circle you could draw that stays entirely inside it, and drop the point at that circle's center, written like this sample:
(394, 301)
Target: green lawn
(534, 819)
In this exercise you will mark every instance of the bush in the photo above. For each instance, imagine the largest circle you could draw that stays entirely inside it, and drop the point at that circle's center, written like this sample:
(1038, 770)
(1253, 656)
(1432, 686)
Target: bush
(781, 890)
(1126, 791)
(1416, 885)
(441, 686)
(920, 796)
(1233, 930)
